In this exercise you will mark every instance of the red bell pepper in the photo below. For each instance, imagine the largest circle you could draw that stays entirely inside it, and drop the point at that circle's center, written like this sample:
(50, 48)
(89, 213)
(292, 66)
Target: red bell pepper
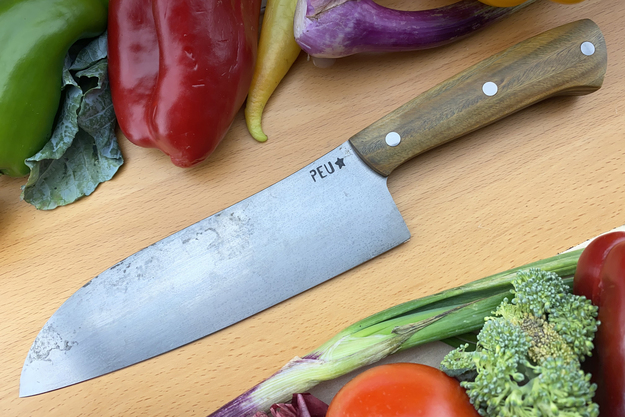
(600, 277)
(588, 272)
(180, 71)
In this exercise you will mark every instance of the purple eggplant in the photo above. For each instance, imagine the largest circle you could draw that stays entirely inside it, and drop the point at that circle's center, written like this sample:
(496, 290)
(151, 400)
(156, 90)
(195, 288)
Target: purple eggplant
(339, 28)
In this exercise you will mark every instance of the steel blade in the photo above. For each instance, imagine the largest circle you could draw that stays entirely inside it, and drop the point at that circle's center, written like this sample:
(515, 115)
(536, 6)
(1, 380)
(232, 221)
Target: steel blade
(325, 219)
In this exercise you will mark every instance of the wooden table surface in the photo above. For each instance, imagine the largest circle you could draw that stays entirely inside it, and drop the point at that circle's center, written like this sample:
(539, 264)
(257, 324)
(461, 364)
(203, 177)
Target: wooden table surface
(517, 191)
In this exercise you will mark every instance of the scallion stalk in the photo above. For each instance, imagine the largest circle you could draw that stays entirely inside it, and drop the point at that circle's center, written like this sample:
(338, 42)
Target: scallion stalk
(432, 318)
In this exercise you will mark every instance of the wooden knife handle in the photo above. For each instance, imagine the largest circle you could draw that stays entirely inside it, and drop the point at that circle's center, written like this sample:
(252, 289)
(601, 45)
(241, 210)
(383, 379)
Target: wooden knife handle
(568, 60)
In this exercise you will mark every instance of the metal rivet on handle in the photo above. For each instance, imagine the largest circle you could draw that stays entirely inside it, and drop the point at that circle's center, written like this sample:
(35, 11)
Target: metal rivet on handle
(588, 48)
(490, 88)
(393, 139)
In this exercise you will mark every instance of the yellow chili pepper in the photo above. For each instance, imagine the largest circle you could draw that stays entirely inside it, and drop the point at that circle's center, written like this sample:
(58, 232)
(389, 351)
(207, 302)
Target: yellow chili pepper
(277, 51)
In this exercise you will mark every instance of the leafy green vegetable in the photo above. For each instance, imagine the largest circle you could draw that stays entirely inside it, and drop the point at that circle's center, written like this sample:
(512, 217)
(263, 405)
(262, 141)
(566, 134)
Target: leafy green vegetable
(528, 357)
(83, 150)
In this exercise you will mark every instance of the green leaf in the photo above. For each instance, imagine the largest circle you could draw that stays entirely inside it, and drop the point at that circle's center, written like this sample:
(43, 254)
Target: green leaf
(95, 51)
(83, 150)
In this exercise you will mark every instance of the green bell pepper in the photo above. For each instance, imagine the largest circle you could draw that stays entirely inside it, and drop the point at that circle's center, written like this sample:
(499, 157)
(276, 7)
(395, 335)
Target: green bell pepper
(35, 36)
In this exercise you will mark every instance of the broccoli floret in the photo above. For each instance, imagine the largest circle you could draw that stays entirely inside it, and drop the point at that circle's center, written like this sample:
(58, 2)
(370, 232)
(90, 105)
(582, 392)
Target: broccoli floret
(528, 354)
(459, 364)
(580, 332)
(538, 292)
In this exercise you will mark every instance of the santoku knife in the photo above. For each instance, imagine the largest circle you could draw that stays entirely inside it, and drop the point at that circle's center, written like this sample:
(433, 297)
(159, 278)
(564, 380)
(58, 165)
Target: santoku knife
(276, 243)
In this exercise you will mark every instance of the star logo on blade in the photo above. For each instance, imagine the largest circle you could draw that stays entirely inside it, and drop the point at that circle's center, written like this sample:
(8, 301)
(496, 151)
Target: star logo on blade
(339, 163)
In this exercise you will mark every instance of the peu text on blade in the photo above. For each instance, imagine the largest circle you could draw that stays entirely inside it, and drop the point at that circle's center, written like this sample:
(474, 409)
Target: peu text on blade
(323, 171)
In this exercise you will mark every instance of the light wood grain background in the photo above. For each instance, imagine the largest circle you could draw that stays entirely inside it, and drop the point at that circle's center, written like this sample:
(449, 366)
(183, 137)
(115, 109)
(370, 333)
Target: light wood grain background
(520, 190)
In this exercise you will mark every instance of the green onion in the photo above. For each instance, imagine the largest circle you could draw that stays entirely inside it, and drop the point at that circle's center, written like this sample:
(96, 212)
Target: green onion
(438, 317)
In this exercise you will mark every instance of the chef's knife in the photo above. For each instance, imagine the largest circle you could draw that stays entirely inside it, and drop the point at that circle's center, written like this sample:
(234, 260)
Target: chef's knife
(323, 220)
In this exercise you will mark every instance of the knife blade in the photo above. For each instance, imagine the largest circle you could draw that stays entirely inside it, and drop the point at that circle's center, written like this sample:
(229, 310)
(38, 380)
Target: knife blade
(331, 216)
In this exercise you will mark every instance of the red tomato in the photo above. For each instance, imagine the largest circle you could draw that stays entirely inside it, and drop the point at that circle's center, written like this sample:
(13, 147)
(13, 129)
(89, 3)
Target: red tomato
(402, 390)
